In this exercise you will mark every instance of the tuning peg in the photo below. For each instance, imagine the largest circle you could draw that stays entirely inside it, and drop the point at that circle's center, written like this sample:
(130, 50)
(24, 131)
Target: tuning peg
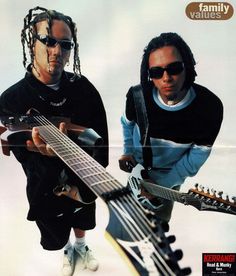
(213, 192)
(186, 271)
(11, 120)
(202, 188)
(162, 245)
(165, 226)
(234, 199)
(196, 186)
(171, 239)
(178, 254)
(207, 190)
(227, 198)
(220, 193)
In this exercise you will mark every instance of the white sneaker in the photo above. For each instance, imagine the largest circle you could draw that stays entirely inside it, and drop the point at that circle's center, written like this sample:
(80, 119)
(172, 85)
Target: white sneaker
(87, 260)
(68, 262)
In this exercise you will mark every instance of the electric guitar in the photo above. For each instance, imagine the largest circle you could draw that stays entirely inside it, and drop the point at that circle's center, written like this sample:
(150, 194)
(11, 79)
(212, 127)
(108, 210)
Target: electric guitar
(146, 247)
(197, 197)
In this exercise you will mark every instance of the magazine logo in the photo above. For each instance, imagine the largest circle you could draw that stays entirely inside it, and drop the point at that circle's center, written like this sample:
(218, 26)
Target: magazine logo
(218, 264)
(209, 11)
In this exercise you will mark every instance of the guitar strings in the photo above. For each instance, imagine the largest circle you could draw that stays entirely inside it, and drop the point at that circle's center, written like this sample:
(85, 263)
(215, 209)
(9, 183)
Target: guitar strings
(73, 149)
(147, 233)
(142, 223)
(137, 210)
(57, 134)
(135, 238)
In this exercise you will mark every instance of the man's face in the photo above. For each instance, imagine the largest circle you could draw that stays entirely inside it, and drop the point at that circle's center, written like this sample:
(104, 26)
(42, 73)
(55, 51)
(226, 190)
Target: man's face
(169, 86)
(50, 61)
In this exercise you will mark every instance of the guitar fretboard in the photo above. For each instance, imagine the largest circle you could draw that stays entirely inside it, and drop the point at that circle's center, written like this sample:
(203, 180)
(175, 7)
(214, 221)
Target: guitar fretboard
(85, 167)
(164, 192)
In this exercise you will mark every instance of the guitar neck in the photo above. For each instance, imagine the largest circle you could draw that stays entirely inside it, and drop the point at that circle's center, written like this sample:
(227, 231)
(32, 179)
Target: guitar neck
(199, 199)
(84, 166)
(164, 192)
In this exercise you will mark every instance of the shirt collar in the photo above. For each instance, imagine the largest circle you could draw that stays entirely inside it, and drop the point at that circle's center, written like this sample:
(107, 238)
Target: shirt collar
(189, 97)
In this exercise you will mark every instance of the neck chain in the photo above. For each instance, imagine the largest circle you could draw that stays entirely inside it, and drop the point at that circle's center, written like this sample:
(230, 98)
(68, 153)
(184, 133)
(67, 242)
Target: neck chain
(53, 103)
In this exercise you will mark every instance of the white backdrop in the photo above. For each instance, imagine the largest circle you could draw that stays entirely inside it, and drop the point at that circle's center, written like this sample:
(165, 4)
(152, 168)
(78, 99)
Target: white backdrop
(112, 35)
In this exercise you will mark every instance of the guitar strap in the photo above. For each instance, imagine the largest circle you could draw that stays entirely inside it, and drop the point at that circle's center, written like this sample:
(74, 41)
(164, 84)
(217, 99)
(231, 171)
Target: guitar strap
(142, 121)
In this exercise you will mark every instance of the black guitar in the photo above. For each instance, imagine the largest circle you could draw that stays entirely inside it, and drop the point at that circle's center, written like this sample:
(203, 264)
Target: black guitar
(147, 248)
(197, 197)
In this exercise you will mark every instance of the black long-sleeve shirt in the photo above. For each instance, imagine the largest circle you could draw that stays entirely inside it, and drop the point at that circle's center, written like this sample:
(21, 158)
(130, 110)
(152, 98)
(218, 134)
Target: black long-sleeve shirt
(77, 100)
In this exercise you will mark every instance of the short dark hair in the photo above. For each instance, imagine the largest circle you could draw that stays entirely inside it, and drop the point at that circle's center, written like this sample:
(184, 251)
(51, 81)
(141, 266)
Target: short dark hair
(39, 14)
(169, 39)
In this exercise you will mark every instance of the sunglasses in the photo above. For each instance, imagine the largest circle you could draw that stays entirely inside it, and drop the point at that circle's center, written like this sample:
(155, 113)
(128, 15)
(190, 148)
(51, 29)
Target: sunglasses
(52, 42)
(174, 68)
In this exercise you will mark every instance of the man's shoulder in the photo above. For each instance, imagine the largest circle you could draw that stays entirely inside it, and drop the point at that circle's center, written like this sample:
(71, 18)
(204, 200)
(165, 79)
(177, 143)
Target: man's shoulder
(77, 79)
(15, 88)
(13, 93)
(82, 83)
(206, 95)
(208, 103)
(204, 91)
(12, 96)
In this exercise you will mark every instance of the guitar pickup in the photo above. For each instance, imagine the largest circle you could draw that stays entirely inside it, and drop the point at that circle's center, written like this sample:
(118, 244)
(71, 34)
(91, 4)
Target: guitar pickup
(61, 189)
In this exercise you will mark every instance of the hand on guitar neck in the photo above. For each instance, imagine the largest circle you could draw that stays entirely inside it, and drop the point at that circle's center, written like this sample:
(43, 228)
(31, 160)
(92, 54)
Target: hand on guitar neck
(31, 133)
(127, 163)
(38, 145)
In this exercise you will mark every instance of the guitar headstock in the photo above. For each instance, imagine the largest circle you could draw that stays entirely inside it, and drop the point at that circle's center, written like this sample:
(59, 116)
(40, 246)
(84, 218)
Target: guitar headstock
(210, 200)
(143, 236)
(28, 121)
(33, 119)
(14, 123)
(171, 258)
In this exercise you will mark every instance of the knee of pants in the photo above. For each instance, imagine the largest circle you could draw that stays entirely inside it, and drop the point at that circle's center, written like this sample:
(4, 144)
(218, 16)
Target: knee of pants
(53, 236)
(53, 244)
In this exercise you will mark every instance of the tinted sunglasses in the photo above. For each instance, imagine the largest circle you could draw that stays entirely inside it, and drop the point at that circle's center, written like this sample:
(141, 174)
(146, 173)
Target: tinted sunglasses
(52, 42)
(174, 68)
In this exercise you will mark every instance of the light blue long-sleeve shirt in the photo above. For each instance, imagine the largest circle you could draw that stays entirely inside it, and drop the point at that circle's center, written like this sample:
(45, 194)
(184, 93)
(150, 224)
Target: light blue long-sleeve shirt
(172, 162)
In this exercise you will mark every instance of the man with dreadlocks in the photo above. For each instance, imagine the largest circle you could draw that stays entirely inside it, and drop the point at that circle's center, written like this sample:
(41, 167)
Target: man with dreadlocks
(182, 120)
(50, 36)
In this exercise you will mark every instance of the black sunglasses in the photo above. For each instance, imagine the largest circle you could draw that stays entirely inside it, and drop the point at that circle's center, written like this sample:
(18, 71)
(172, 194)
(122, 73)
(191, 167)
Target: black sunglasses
(52, 42)
(174, 68)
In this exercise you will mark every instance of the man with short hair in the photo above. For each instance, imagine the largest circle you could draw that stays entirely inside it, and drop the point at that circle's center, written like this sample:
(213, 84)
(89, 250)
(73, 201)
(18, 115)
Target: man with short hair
(50, 37)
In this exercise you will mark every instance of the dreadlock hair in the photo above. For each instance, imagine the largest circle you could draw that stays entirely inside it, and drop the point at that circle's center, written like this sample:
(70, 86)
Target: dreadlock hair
(39, 14)
(169, 39)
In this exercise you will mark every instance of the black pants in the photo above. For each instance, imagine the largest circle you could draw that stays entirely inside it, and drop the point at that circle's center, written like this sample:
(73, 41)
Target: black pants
(55, 231)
